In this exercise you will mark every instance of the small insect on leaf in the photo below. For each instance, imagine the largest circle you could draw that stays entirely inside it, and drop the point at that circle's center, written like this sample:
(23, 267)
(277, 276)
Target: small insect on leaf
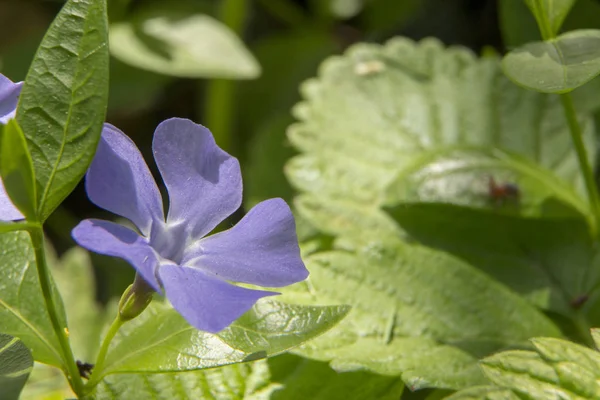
(500, 193)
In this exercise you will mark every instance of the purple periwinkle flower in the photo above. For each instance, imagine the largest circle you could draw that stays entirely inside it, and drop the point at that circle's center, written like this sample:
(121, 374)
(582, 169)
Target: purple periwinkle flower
(9, 96)
(173, 254)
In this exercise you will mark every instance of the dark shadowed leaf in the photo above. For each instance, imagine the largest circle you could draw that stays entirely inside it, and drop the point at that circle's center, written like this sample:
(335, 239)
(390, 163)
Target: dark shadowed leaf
(15, 365)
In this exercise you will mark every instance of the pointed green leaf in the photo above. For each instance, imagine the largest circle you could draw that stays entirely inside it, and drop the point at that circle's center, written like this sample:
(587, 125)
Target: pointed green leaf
(63, 102)
(377, 112)
(22, 308)
(16, 169)
(558, 367)
(528, 255)
(15, 365)
(550, 13)
(183, 43)
(160, 340)
(404, 322)
(558, 65)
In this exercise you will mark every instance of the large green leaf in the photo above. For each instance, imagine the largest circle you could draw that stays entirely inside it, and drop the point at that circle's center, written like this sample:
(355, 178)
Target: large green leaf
(16, 169)
(550, 13)
(22, 308)
(558, 65)
(283, 378)
(63, 102)
(378, 111)
(556, 369)
(160, 340)
(248, 381)
(15, 365)
(181, 41)
(418, 313)
(529, 255)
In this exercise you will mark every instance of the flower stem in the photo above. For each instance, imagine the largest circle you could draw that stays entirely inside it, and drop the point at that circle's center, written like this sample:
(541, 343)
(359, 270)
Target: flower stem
(101, 359)
(37, 238)
(584, 163)
(219, 100)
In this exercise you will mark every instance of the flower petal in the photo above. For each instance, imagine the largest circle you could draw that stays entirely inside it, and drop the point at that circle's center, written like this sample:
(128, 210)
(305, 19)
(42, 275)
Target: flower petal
(207, 303)
(9, 97)
(262, 249)
(204, 182)
(8, 212)
(111, 239)
(119, 181)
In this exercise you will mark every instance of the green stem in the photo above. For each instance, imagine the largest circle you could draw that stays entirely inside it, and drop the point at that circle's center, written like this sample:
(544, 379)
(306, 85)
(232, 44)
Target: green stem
(543, 22)
(220, 93)
(37, 238)
(582, 157)
(99, 366)
(16, 226)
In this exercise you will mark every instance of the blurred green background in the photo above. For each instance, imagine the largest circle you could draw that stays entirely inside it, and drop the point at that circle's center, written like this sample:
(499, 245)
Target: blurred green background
(236, 65)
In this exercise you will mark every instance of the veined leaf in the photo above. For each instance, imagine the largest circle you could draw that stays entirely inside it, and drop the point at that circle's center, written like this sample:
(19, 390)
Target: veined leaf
(373, 114)
(63, 102)
(15, 365)
(160, 340)
(22, 308)
(558, 65)
(417, 313)
(556, 369)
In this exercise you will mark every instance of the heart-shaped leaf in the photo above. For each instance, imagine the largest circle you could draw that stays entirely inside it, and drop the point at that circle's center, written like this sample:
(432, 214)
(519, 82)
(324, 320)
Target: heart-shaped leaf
(380, 113)
(558, 65)
(15, 365)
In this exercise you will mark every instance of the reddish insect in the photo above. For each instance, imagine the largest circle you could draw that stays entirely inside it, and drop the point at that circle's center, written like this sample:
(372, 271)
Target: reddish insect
(503, 192)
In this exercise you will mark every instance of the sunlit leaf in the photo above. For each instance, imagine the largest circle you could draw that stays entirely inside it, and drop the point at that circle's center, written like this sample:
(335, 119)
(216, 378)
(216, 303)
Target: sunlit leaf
(417, 313)
(557, 367)
(191, 45)
(557, 65)
(63, 102)
(160, 340)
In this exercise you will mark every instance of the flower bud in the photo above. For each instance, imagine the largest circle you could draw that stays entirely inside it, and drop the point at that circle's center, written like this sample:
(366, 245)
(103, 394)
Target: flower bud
(135, 299)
